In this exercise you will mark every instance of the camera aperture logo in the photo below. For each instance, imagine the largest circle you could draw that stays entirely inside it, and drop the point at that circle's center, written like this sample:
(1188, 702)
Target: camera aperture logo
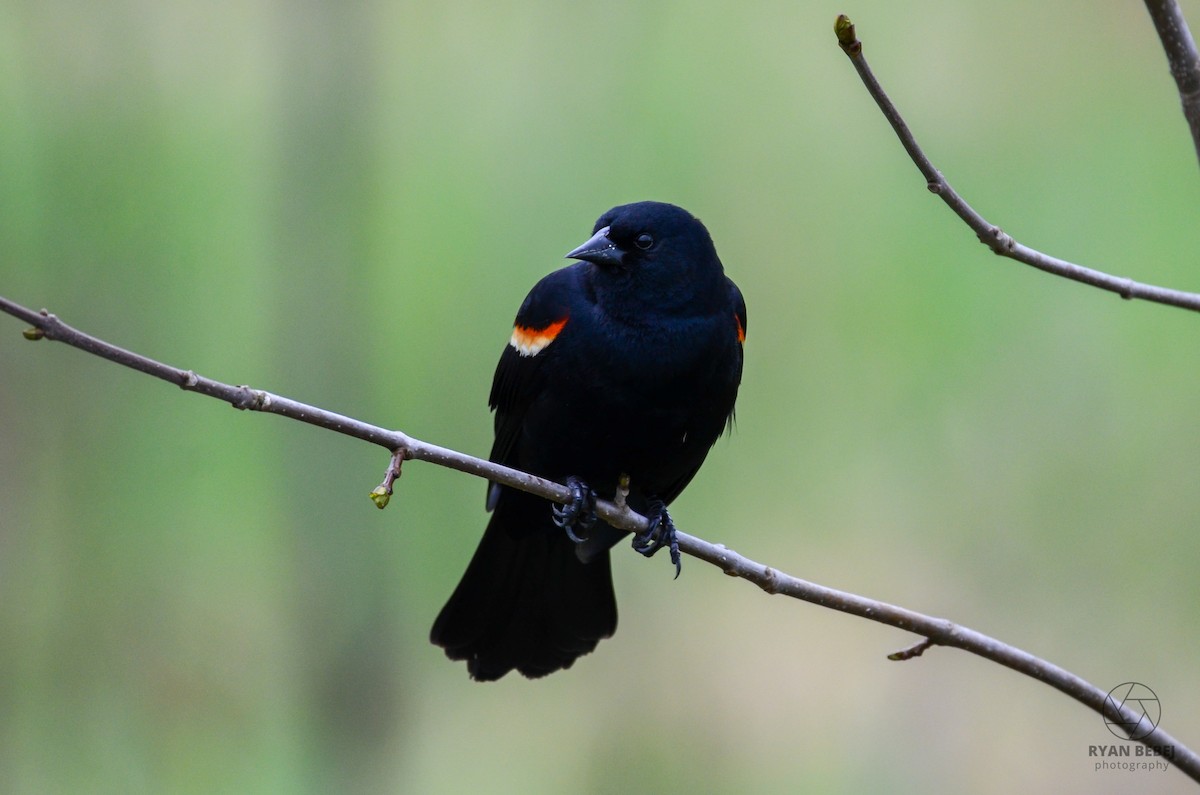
(1144, 704)
(1140, 711)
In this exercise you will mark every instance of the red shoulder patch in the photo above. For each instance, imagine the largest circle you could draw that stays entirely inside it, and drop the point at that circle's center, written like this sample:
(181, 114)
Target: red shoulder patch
(741, 331)
(529, 341)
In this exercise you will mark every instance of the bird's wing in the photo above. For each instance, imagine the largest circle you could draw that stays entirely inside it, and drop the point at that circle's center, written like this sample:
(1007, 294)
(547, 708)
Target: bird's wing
(737, 328)
(520, 375)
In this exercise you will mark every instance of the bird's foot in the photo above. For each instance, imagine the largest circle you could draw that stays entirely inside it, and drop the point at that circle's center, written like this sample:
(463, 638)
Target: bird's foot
(579, 513)
(661, 533)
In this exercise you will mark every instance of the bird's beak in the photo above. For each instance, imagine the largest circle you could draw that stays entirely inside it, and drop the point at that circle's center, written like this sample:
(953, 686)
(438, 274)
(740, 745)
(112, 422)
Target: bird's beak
(599, 249)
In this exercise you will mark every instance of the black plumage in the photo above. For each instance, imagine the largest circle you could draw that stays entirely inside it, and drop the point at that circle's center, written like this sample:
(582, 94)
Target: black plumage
(626, 362)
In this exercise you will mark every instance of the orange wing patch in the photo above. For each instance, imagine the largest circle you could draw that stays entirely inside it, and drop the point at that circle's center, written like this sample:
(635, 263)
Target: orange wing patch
(740, 330)
(530, 341)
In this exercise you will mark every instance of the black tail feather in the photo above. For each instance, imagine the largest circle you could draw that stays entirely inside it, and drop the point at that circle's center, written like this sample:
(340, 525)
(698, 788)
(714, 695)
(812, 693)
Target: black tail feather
(527, 601)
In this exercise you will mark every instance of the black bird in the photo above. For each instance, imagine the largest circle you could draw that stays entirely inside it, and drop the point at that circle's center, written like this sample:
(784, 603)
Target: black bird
(626, 363)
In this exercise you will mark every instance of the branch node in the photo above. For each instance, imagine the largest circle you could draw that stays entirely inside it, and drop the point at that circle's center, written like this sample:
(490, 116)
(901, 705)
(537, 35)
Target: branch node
(997, 240)
(934, 186)
(41, 330)
(770, 582)
(1127, 288)
(915, 650)
(190, 379)
(251, 399)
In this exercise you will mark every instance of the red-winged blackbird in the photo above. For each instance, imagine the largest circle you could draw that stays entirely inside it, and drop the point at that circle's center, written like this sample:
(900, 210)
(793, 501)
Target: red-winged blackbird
(624, 363)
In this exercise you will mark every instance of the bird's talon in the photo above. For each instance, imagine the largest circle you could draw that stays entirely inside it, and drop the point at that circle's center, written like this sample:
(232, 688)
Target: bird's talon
(579, 514)
(661, 533)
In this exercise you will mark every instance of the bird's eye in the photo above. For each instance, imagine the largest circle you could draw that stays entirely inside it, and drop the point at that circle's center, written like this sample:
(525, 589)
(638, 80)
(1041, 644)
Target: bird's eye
(644, 241)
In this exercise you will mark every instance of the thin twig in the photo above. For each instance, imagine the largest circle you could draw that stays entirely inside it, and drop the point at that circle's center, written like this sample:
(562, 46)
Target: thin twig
(916, 650)
(991, 235)
(936, 631)
(1182, 57)
(381, 495)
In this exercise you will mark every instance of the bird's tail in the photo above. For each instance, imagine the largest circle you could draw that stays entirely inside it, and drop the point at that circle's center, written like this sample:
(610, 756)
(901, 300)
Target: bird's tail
(526, 601)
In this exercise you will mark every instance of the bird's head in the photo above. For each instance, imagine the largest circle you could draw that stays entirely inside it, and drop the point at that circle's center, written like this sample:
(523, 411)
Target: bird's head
(650, 242)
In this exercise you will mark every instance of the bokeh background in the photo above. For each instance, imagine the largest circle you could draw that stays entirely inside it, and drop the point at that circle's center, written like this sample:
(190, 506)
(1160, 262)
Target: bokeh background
(346, 202)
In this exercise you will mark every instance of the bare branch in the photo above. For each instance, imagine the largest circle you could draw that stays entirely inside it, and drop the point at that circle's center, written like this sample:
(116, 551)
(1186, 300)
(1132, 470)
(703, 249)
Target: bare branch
(989, 234)
(935, 631)
(1182, 57)
(48, 326)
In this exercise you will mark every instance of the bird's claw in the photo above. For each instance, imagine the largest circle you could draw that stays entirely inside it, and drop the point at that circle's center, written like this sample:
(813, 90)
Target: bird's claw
(661, 533)
(579, 513)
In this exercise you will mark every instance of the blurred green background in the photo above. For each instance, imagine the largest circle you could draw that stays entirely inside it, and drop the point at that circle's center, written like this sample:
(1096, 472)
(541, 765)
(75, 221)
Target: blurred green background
(346, 203)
